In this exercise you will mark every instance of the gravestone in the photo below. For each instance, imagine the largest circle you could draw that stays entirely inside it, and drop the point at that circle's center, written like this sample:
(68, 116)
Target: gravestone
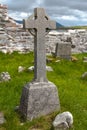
(39, 97)
(63, 50)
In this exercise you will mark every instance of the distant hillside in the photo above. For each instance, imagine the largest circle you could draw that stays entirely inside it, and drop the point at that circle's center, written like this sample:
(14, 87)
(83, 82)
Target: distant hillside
(19, 21)
(58, 25)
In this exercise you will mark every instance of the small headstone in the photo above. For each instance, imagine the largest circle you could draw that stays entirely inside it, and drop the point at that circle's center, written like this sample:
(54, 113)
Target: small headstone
(2, 119)
(63, 50)
(63, 121)
(4, 76)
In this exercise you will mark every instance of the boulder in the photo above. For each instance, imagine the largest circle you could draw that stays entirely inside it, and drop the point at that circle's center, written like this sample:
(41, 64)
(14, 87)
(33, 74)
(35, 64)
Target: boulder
(63, 121)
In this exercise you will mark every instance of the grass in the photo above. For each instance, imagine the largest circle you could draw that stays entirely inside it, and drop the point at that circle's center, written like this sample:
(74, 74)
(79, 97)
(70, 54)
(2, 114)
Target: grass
(67, 77)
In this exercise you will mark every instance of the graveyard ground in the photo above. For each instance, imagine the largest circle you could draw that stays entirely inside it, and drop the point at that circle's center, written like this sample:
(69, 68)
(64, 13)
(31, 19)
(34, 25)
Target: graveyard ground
(67, 77)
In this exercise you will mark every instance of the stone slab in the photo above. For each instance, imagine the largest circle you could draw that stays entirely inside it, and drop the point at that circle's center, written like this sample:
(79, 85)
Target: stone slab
(63, 50)
(39, 99)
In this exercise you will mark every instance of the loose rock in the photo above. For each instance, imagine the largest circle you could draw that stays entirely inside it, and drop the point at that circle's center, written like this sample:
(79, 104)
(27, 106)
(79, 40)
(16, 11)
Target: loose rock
(63, 121)
(74, 59)
(4, 76)
(31, 68)
(84, 75)
(48, 68)
(2, 119)
(21, 69)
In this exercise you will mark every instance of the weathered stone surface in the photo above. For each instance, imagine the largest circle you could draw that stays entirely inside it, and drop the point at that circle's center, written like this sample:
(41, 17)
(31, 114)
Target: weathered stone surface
(63, 50)
(41, 23)
(39, 99)
(4, 76)
(63, 121)
(2, 119)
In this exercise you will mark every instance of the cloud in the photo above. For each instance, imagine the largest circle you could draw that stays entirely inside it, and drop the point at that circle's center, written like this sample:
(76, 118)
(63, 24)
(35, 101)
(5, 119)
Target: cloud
(62, 10)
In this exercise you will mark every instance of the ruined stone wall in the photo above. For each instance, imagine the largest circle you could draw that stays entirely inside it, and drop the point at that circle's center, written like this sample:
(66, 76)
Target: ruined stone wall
(14, 38)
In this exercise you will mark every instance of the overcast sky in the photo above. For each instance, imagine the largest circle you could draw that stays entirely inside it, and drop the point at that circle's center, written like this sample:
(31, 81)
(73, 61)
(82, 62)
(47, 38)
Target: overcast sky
(66, 12)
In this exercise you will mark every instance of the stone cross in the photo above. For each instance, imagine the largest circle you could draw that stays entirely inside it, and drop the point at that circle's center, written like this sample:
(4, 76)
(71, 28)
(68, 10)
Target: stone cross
(40, 23)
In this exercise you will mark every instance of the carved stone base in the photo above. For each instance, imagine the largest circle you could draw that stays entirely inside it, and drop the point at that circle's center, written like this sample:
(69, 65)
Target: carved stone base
(39, 99)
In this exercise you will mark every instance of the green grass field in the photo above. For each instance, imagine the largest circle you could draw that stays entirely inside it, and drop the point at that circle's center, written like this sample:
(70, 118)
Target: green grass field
(67, 77)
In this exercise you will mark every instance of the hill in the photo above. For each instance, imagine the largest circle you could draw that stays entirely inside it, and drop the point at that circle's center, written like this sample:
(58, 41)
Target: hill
(19, 21)
(58, 25)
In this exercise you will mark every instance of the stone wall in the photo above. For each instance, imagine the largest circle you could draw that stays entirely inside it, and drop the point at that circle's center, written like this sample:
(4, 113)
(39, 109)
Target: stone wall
(14, 38)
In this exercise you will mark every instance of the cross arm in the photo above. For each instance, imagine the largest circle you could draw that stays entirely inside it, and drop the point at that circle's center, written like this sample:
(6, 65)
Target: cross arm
(52, 24)
(28, 24)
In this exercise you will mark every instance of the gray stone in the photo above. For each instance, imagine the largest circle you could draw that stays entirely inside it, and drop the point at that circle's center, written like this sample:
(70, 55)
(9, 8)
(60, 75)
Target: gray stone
(39, 99)
(4, 76)
(49, 68)
(63, 50)
(63, 121)
(21, 69)
(84, 75)
(2, 119)
(31, 68)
